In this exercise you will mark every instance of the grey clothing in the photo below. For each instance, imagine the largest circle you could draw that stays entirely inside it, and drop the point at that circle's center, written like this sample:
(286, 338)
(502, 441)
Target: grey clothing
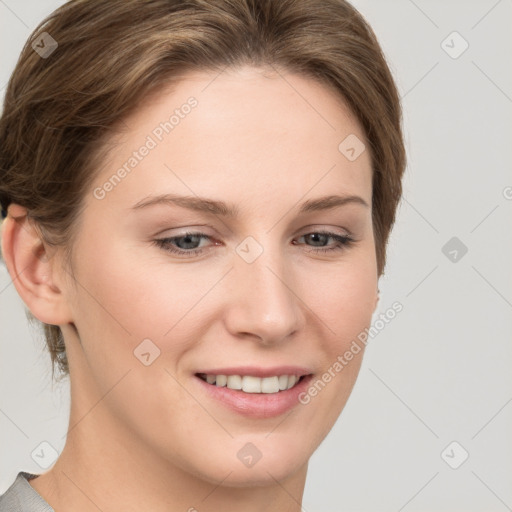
(22, 497)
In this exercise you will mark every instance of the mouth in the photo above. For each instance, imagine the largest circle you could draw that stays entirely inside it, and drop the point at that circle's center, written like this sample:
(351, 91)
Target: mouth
(252, 384)
(254, 392)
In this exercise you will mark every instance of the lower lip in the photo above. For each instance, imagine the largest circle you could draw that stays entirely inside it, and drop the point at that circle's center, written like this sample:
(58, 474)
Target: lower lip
(256, 405)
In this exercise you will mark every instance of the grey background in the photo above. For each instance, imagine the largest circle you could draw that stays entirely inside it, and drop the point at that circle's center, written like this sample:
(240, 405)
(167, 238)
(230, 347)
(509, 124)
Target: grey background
(440, 371)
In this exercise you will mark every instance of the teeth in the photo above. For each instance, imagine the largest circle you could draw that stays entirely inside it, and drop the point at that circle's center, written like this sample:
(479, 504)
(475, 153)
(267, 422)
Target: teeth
(235, 382)
(221, 381)
(250, 384)
(270, 385)
(283, 382)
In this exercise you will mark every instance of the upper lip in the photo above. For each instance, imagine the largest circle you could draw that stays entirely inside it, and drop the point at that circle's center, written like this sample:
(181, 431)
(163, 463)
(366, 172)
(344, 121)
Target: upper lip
(258, 371)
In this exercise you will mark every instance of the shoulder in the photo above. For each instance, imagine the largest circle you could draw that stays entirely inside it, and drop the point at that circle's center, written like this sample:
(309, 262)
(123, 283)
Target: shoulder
(22, 497)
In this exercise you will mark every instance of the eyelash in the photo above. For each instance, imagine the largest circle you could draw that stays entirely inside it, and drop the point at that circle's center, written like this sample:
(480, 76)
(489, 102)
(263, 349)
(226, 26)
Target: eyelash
(343, 242)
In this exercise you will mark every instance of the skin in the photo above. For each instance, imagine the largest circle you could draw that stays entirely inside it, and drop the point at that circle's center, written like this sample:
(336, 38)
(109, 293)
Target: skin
(146, 437)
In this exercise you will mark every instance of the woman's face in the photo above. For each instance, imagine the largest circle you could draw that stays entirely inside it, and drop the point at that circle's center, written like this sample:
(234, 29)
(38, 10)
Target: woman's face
(256, 292)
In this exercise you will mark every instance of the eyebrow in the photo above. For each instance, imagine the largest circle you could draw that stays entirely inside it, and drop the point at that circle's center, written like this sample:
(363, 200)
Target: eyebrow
(221, 208)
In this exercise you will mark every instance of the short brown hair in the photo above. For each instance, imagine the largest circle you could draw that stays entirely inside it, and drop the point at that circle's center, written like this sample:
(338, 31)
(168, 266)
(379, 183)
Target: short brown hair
(59, 109)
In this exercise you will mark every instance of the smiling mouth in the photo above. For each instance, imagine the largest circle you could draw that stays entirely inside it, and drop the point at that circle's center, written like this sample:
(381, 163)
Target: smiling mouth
(251, 384)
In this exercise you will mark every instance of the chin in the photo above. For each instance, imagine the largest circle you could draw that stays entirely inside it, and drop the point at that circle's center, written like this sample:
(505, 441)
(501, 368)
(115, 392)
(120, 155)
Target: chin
(261, 474)
(255, 460)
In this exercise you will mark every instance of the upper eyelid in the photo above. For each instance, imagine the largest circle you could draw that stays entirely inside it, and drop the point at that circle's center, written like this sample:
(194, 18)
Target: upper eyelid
(315, 228)
(203, 235)
(342, 242)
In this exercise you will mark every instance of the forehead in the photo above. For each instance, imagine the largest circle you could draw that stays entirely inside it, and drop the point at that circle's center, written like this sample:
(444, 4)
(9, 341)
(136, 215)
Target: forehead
(246, 130)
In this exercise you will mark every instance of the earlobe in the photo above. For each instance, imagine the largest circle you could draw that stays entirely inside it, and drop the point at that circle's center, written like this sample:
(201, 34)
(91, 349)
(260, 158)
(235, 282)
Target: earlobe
(31, 268)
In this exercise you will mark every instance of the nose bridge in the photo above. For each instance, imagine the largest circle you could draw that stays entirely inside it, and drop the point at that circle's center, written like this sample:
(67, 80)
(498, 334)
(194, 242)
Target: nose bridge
(264, 303)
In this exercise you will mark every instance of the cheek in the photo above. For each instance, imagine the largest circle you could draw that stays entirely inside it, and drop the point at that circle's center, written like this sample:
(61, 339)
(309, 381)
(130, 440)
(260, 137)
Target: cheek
(344, 297)
(345, 309)
(131, 298)
(350, 305)
(344, 300)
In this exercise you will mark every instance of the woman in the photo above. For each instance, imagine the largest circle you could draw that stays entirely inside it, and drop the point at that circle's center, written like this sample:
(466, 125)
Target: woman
(198, 198)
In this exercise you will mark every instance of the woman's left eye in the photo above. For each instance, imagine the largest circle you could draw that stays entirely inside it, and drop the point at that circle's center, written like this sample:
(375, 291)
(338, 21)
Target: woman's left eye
(188, 244)
(342, 241)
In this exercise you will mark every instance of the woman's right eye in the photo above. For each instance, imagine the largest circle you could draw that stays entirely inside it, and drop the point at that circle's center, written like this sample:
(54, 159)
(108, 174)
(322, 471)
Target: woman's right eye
(183, 245)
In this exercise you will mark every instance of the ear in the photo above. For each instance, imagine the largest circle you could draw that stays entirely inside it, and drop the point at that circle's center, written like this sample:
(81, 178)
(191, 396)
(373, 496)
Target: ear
(377, 298)
(32, 268)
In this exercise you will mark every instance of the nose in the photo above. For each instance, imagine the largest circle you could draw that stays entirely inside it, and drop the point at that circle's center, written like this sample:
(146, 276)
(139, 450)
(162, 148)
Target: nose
(265, 302)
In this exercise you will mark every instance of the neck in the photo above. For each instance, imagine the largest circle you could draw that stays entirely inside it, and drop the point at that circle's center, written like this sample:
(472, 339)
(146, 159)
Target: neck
(105, 474)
